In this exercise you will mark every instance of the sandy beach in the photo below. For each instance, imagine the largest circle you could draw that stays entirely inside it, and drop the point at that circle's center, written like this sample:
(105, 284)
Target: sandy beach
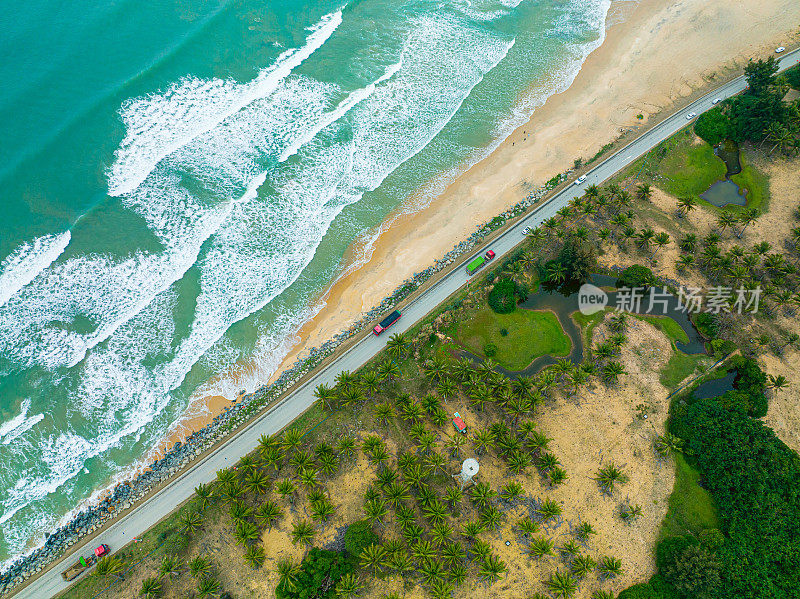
(657, 55)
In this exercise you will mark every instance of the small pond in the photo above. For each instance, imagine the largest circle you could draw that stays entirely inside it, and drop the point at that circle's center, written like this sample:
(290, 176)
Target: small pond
(715, 387)
(726, 192)
(723, 193)
(564, 302)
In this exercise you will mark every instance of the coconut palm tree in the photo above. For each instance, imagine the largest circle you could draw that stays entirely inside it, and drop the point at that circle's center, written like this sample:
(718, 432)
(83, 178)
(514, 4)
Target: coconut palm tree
(583, 530)
(660, 240)
(246, 532)
(109, 566)
(557, 476)
(303, 532)
(471, 529)
(452, 554)
(491, 518)
(346, 446)
(562, 584)
(440, 533)
(548, 509)
(254, 555)
(257, 482)
(387, 370)
(609, 567)
(685, 205)
(286, 488)
(397, 345)
(667, 444)
(608, 476)
(540, 547)
(151, 588)
(582, 565)
(204, 494)
(556, 273)
(209, 587)
(372, 557)
(611, 372)
(747, 218)
(190, 521)
(240, 512)
(200, 566)
(482, 494)
(322, 510)
(777, 383)
(375, 511)
(292, 439)
(644, 191)
(348, 586)
(325, 396)
(726, 219)
(492, 568)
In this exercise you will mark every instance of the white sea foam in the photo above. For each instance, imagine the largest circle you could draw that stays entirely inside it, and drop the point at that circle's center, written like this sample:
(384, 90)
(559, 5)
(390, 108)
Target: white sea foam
(191, 107)
(27, 261)
(21, 423)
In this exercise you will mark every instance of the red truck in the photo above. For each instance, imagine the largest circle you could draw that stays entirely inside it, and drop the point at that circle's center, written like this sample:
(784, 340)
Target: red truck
(387, 322)
(85, 562)
(459, 424)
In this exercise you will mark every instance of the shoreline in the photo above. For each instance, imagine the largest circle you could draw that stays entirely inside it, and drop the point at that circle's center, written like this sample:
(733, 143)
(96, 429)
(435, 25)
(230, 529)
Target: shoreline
(498, 181)
(356, 291)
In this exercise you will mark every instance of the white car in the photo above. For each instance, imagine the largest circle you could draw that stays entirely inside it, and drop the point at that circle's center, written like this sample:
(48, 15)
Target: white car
(779, 50)
(690, 116)
(716, 100)
(580, 179)
(527, 231)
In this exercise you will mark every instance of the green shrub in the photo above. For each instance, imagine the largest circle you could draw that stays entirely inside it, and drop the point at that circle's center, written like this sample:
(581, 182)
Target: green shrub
(793, 76)
(490, 350)
(639, 591)
(318, 575)
(357, 536)
(713, 126)
(503, 296)
(504, 332)
(706, 324)
(636, 276)
(722, 347)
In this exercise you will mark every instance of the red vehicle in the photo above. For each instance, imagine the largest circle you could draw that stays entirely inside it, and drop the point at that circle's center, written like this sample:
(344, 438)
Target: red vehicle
(387, 322)
(85, 562)
(459, 424)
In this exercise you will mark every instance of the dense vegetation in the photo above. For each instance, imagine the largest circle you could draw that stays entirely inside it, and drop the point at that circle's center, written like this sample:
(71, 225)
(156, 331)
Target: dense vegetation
(759, 115)
(754, 480)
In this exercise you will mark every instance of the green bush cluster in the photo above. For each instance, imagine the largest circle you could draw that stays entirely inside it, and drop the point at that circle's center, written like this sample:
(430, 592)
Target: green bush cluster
(754, 480)
(357, 536)
(793, 76)
(636, 276)
(318, 575)
(505, 294)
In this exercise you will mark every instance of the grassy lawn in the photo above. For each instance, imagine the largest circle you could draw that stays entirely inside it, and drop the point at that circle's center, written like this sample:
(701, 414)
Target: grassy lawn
(530, 334)
(755, 182)
(688, 169)
(666, 325)
(680, 366)
(691, 508)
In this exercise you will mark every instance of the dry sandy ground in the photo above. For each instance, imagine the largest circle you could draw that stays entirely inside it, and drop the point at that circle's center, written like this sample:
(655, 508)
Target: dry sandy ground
(594, 428)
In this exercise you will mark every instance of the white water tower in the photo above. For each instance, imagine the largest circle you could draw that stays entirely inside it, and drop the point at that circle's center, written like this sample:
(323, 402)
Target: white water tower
(469, 469)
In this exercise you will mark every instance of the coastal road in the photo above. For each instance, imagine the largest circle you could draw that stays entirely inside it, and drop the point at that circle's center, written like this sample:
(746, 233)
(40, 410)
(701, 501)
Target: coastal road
(122, 531)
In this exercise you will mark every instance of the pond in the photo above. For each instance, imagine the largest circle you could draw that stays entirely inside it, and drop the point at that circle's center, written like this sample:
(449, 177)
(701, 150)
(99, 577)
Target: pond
(723, 193)
(715, 387)
(726, 192)
(564, 302)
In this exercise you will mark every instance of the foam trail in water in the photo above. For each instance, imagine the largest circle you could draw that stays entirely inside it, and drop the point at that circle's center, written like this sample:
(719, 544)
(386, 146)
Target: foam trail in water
(191, 107)
(27, 261)
(19, 424)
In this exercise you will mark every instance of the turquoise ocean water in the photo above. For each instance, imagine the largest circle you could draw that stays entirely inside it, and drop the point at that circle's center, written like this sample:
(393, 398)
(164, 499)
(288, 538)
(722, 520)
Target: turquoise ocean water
(179, 180)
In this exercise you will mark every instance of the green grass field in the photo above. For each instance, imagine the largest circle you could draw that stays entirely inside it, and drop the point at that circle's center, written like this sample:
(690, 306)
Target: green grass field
(688, 169)
(666, 325)
(530, 334)
(691, 508)
(756, 184)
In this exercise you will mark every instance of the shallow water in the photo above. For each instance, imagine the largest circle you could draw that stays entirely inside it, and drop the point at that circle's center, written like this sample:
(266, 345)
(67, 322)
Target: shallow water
(724, 193)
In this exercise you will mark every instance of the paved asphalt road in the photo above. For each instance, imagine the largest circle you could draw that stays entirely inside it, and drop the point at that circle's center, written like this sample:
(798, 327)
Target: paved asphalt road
(181, 488)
